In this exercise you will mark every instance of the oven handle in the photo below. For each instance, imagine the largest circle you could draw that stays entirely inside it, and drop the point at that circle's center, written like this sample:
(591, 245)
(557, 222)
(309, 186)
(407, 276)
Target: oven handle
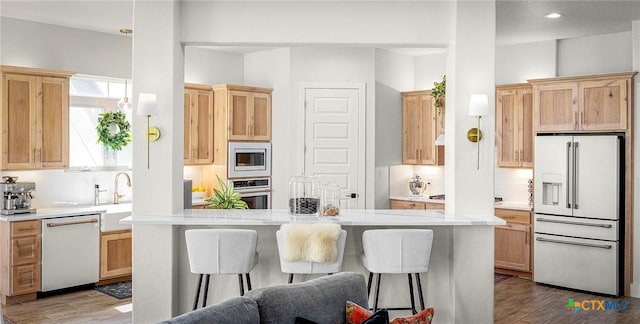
(90, 221)
(540, 219)
(241, 191)
(600, 246)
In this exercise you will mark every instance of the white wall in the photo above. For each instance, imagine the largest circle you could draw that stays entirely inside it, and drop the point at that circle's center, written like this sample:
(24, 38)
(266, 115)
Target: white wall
(271, 69)
(30, 44)
(429, 69)
(635, 285)
(520, 62)
(594, 55)
(207, 66)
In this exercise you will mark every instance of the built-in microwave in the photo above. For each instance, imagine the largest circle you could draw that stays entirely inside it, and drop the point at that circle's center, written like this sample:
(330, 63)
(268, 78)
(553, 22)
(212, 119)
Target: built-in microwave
(249, 159)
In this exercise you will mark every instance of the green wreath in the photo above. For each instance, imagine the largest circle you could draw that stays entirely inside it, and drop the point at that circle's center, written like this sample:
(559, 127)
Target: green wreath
(114, 131)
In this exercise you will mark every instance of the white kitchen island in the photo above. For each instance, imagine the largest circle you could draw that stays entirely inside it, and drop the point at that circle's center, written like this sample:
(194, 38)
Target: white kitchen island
(459, 284)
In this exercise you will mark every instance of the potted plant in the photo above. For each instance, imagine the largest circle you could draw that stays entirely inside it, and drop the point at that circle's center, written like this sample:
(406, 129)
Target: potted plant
(439, 90)
(226, 197)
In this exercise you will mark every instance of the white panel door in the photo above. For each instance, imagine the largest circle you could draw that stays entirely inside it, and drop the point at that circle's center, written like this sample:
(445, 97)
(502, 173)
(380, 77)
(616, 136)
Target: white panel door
(334, 146)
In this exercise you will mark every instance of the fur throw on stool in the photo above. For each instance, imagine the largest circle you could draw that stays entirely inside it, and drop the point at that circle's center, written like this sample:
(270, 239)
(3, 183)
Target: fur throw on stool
(310, 242)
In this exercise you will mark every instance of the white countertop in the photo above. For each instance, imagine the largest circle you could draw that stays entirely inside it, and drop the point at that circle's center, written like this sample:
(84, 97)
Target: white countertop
(70, 210)
(517, 205)
(381, 217)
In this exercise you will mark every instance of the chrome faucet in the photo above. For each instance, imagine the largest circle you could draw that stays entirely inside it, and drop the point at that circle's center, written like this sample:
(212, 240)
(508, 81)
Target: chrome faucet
(116, 196)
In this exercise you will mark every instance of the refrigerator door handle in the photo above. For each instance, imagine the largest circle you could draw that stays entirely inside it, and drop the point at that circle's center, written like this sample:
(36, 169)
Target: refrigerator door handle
(568, 173)
(600, 246)
(574, 191)
(540, 219)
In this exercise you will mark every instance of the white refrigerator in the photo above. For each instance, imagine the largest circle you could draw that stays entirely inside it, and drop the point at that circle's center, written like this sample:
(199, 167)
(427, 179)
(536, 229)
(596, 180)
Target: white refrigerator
(577, 228)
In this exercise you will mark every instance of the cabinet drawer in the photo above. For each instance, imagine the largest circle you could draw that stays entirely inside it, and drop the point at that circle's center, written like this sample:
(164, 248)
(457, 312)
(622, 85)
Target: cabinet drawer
(434, 206)
(25, 228)
(25, 250)
(403, 204)
(514, 216)
(25, 279)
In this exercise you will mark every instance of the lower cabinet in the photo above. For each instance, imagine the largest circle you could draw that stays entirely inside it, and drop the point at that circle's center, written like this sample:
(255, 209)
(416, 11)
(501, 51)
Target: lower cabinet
(115, 254)
(408, 204)
(199, 207)
(19, 260)
(513, 248)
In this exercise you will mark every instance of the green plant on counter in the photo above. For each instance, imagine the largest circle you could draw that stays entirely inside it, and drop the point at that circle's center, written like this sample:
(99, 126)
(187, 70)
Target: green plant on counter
(439, 90)
(226, 197)
(114, 131)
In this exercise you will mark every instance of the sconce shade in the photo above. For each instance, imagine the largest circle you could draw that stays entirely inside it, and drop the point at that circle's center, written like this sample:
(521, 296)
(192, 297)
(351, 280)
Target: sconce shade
(147, 104)
(479, 105)
(440, 140)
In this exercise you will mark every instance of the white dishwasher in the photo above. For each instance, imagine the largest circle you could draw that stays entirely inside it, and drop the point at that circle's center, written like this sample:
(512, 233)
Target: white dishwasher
(70, 251)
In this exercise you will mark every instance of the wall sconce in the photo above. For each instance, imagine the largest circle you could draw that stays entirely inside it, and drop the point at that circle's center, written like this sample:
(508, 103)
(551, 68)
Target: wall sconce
(440, 140)
(478, 107)
(148, 105)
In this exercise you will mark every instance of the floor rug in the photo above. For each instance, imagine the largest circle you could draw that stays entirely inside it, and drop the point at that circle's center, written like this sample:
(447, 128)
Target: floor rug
(498, 278)
(120, 290)
(6, 320)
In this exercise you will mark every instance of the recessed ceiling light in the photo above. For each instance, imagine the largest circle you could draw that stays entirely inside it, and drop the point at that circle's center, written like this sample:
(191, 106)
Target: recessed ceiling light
(553, 15)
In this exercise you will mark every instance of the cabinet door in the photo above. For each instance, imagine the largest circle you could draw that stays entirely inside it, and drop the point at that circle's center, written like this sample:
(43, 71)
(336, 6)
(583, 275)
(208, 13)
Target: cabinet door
(556, 107)
(427, 153)
(188, 148)
(18, 121)
(603, 105)
(404, 204)
(25, 279)
(507, 130)
(513, 247)
(525, 96)
(115, 254)
(202, 127)
(260, 126)
(53, 127)
(411, 132)
(239, 115)
(434, 206)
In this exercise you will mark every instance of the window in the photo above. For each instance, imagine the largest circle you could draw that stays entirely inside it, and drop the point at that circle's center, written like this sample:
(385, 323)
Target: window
(89, 97)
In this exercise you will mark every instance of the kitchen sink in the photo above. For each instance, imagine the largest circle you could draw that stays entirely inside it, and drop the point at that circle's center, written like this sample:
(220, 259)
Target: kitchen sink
(110, 221)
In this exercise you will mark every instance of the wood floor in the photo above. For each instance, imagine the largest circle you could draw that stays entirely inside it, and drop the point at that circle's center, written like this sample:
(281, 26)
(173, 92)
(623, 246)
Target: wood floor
(516, 301)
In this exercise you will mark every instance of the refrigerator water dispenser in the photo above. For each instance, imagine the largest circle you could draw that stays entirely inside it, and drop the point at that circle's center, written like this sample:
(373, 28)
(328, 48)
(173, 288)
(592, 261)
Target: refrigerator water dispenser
(551, 189)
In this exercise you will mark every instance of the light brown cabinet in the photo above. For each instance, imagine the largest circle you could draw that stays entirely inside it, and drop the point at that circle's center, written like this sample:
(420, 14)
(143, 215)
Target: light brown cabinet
(513, 248)
(115, 254)
(247, 111)
(198, 124)
(19, 260)
(514, 125)
(35, 119)
(422, 122)
(586, 103)
(407, 204)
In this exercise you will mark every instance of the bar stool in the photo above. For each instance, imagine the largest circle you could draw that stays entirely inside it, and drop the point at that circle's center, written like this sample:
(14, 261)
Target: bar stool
(221, 251)
(307, 266)
(397, 251)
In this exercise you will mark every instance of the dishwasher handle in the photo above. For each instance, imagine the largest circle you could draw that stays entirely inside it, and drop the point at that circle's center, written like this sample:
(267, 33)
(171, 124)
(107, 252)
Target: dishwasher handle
(89, 221)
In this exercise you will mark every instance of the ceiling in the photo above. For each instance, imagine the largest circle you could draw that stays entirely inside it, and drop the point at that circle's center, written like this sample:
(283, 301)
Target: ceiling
(518, 21)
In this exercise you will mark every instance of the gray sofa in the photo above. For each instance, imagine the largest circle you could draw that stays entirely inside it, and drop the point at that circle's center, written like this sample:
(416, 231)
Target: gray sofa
(320, 300)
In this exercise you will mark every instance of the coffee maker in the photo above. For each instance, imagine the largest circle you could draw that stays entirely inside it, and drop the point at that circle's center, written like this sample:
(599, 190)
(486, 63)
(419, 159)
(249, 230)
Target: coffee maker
(16, 196)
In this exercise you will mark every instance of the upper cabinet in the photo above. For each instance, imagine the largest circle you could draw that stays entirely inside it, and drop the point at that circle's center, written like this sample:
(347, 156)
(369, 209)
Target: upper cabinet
(514, 125)
(35, 118)
(422, 122)
(247, 111)
(589, 103)
(198, 124)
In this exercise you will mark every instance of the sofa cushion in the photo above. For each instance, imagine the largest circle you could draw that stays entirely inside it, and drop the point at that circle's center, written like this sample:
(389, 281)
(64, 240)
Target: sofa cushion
(320, 300)
(239, 310)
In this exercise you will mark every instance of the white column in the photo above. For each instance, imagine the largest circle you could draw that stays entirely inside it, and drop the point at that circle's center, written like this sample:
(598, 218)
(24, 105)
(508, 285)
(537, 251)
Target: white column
(635, 283)
(158, 67)
(469, 187)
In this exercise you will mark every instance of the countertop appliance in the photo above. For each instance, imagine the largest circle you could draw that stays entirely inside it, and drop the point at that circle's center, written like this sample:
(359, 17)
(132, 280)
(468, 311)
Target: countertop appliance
(578, 202)
(70, 251)
(255, 192)
(249, 159)
(16, 197)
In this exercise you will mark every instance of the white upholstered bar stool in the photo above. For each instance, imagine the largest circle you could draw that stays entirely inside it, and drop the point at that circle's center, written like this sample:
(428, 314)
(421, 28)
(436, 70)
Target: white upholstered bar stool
(221, 251)
(310, 267)
(397, 251)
